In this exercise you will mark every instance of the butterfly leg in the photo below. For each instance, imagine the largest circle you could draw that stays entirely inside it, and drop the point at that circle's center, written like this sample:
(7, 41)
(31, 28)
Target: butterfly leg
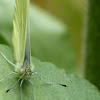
(33, 88)
(41, 78)
(21, 88)
(7, 59)
(49, 79)
(14, 84)
(7, 76)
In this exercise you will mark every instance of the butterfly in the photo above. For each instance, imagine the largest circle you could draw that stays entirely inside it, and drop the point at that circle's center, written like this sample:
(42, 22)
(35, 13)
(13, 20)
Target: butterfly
(21, 44)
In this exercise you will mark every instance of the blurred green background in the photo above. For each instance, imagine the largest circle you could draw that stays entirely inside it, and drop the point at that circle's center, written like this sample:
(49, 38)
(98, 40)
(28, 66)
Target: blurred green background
(71, 13)
(56, 28)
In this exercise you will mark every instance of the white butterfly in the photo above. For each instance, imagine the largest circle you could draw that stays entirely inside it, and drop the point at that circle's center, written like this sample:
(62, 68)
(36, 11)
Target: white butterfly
(21, 43)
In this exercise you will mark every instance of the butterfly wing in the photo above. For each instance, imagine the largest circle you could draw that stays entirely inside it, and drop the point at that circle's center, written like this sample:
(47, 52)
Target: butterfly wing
(20, 31)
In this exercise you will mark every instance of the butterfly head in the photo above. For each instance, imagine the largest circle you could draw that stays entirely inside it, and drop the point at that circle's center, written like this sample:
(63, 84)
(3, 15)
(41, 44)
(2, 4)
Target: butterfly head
(24, 68)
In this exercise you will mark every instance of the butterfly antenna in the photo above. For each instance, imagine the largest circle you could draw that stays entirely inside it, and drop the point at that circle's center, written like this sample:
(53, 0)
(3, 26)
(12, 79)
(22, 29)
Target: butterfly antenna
(49, 79)
(14, 84)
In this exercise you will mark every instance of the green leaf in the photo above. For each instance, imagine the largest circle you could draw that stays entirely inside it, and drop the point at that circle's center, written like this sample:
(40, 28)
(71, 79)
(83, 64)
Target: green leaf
(49, 41)
(78, 89)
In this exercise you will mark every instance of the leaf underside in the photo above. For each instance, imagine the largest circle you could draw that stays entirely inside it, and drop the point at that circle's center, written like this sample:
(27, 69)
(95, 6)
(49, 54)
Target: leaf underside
(78, 89)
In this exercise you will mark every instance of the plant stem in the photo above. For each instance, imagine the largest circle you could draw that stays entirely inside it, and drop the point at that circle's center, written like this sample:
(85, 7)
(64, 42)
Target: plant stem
(92, 50)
